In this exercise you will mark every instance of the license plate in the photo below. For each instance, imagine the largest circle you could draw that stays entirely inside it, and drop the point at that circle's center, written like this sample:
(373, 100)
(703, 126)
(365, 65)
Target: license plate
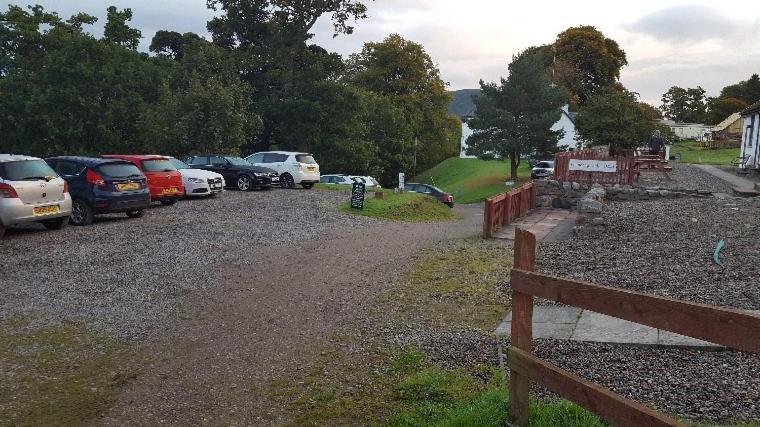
(171, 190)
(128, 186)
(216, 186)
(46, 210)
(311, 168)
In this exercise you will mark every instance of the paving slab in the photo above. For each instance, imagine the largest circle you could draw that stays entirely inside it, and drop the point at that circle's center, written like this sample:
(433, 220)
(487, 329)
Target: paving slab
(554, 314)
(673, 339)
(595, 327)
(547, 224)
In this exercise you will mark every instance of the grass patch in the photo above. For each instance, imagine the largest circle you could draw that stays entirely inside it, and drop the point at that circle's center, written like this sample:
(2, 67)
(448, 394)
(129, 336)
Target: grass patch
(457, 285)
(471, 180)
(59, 375)
(403, 207)
(691, 152)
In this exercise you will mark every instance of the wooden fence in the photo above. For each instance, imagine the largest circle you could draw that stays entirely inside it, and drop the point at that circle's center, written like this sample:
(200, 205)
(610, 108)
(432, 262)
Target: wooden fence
(731, 328)
(504, 208)
(625, 173)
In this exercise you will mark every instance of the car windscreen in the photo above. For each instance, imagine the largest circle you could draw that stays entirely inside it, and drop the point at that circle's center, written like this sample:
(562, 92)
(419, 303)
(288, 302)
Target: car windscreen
(26, 170)
(179, 164)
(237, 161)
(158, 165)
(305, 158)
(120, 170)
(545, 165)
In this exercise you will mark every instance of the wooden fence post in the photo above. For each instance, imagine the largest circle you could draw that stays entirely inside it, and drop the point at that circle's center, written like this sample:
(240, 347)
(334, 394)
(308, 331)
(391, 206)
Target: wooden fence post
(522, 327)
(487, 219)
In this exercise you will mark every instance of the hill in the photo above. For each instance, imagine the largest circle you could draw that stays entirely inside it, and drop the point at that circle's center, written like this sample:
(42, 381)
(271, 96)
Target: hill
(471, 180)
(462, 104)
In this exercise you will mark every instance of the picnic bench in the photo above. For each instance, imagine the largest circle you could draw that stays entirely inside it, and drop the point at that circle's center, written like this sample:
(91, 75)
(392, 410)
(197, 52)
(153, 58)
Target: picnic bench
(651, 162)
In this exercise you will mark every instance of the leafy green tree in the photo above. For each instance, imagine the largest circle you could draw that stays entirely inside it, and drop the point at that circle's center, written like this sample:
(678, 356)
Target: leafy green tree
(402, 71)
(172, 43)
(514, 118)
(586, 62)
(685, 104)
(117, 29)
(650, 111)
(614, 119)
(747, 91)
(720, 108)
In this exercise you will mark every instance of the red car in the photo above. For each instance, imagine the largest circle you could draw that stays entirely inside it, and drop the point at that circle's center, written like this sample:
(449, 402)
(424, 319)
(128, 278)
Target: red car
(164, 180)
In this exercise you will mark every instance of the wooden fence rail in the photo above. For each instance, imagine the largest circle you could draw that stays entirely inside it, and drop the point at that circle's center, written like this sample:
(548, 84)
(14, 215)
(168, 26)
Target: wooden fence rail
(506, 207)
(729, 327)
(625, 174)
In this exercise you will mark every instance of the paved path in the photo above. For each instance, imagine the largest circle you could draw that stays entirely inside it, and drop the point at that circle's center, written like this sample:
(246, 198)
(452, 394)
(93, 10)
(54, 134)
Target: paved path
(574, 324)
(547, 224)
(734, 180)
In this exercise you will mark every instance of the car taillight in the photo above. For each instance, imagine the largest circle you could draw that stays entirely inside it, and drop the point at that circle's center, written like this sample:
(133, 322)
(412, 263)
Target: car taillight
(7, 192)
(65, 186)
(95, 178)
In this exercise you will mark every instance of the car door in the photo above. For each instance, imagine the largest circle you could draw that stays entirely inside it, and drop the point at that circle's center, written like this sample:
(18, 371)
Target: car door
(72, 172)
(221, 166)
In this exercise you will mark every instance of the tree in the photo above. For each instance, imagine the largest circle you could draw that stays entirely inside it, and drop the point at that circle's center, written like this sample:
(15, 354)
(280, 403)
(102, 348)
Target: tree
(586, 62)
(118, 31)
(747, 91)
(614, 118)
(172, 43)
(685, 105)
(402, 71)
(650, 111)
(515, 117)
(720, 108)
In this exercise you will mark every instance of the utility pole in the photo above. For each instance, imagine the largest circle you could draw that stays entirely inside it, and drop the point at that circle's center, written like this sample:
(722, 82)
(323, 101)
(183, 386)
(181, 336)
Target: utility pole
(414, 162)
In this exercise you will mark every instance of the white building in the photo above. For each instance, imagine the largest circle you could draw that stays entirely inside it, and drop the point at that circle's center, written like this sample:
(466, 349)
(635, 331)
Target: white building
(695, 131)
(566, 122)
(751, 136)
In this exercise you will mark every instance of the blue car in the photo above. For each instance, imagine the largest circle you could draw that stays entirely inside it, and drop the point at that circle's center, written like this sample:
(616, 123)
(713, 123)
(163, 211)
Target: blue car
(102, 186)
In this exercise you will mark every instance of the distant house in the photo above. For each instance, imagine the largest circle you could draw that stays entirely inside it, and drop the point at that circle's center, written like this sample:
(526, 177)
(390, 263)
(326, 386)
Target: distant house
(695, 131)
(730, 128)
(463, 106)
(751, 135)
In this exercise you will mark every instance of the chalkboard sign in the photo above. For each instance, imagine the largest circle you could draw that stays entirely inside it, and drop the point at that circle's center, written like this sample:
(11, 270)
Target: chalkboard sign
(357, 195)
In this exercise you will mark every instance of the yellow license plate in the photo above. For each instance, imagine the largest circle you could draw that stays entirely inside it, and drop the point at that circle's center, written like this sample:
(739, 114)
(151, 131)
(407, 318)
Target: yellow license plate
(128, 186)
(46, 210)
(311, 168)
(171, 190)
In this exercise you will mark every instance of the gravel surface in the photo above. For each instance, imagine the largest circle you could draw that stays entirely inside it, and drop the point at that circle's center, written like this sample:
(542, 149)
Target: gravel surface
(125, 276)
(665, 247)
(688, 177)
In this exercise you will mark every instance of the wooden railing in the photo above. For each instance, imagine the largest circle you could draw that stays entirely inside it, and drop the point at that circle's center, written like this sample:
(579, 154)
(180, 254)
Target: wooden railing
(625, 173)
(504, 208)
(728, 327)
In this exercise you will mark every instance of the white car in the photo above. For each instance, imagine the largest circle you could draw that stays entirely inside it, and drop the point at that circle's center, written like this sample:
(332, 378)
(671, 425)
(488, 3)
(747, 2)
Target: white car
(367, 180)
(293, 167)
(31, 191)
(198, 182)
(336, 179)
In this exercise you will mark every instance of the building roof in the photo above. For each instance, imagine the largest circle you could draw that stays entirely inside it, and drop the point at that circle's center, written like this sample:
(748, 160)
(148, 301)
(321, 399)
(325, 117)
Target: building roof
(727, 122)
(754, 108)
(462, 103)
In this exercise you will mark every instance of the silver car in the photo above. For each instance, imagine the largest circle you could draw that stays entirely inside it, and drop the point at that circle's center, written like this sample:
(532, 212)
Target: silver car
(30, 191)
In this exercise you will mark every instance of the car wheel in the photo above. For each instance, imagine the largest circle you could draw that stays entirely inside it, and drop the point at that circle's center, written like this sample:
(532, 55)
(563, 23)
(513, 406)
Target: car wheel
(244, 183)
(81, 213)
(308, 186)
(135, 214)
(56, 224)
(2, 231)
(286, 181)
(168, 202)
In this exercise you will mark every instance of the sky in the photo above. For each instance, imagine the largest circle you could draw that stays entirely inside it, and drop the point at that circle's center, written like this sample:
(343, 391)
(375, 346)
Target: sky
(668, 43)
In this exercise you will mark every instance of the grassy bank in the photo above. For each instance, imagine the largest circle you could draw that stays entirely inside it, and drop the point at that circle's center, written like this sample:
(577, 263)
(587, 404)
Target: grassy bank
(691, 152)
(471, 180)
(403, 207)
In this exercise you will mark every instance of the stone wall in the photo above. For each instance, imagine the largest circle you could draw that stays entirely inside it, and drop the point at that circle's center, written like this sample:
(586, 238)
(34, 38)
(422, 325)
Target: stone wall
(570, 195)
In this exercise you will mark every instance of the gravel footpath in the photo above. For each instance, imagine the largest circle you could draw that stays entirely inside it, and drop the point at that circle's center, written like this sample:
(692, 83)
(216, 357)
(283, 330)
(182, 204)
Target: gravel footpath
(688, 177)
(125, 276)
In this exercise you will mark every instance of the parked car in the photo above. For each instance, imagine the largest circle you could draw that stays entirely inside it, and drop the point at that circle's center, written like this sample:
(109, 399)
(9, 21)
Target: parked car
(236, 171)
(31, 191)
(367, 180)
(164, 180)
(293, 168)
(542, 169)
(335, 179)
(198, 182)
(431, 191)
(102, 186)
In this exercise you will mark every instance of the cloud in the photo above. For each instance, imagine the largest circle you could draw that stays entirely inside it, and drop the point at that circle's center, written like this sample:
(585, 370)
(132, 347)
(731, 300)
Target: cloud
(693, 23)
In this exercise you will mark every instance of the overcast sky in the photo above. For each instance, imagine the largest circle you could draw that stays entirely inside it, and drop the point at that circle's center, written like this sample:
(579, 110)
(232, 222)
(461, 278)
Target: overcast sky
(668, 43)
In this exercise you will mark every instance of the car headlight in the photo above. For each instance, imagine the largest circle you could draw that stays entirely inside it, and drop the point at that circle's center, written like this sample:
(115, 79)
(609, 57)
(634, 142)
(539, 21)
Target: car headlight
(195, 180)
(259, 174)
